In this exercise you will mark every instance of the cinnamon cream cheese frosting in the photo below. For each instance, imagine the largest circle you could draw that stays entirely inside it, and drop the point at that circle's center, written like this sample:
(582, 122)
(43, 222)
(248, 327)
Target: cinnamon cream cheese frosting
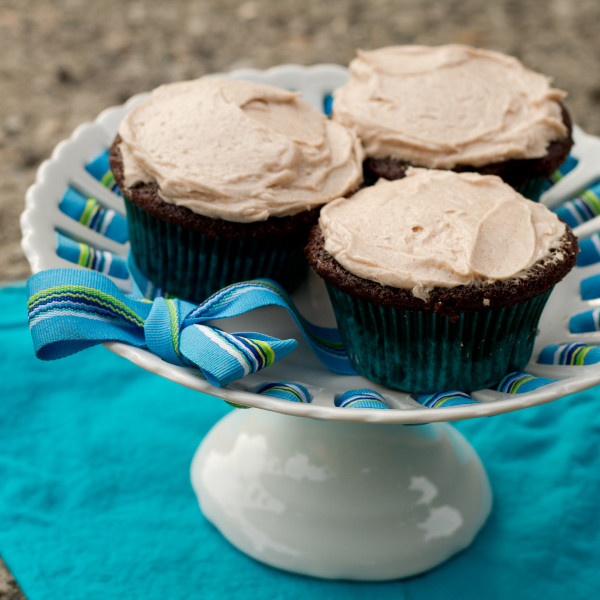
(439, 229)
(237, 150)
(445, 106)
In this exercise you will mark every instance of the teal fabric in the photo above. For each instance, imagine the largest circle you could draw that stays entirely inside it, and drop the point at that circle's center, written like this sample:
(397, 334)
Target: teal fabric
(96, 503)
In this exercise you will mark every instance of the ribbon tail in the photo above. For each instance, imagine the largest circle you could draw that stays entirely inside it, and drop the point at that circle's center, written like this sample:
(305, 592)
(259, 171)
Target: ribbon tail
(70, 310)
(224, 357)
(242, 297)
(61, 336)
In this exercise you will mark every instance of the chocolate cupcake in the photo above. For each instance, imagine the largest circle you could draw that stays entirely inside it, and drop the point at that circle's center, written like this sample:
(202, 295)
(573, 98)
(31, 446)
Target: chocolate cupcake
(223, 179)
(455, 107)
(438, 280)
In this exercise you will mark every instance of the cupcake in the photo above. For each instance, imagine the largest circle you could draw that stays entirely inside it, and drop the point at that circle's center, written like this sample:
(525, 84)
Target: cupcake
(223, 180)
(438, 279)
(455, 107)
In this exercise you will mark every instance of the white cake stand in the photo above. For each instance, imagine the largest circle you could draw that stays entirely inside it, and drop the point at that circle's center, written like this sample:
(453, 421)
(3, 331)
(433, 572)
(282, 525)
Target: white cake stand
(312, 488)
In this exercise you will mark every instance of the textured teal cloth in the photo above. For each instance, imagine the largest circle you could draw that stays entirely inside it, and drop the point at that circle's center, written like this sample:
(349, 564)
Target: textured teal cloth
(96, 503)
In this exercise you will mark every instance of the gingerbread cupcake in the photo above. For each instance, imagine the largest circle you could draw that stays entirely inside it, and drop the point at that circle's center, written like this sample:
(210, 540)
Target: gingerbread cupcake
(438, 280)
(223, 179)
(455, 107)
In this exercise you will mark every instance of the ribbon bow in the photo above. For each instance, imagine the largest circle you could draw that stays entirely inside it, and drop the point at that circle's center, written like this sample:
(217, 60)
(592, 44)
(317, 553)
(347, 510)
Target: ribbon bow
(73, 309)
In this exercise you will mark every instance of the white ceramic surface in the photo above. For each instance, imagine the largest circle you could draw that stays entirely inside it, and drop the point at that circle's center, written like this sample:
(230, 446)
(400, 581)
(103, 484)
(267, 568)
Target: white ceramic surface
(66, 167)
(355, 501)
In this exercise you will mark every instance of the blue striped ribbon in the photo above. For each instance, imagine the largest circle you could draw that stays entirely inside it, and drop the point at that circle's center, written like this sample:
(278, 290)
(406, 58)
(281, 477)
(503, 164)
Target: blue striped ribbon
(285, 390)
(589, 251)
(576, 353)
(239, 298)
(361, 398)
(70, 310)
(584, 207)
(89, 212)
(445, 399)
(99, 169)
(87, 256)
(520, 382)
(585, 322)
(589, 288)
(325, 342)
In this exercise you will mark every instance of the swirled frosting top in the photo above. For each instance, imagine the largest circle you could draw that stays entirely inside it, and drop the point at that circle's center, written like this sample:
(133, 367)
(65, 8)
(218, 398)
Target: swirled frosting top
(439, 229)
(451, 105)
(237, 150)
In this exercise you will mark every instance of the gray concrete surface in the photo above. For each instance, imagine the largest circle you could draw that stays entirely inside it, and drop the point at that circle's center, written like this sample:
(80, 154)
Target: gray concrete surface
(62, 62)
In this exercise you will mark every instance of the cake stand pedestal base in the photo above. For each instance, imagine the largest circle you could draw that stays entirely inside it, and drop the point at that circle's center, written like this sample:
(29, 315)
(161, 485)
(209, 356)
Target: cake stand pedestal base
(341, 500)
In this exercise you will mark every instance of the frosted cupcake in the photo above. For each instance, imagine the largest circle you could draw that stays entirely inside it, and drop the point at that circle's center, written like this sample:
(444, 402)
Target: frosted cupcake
(455, 107)
(223, 179)
(438, 280)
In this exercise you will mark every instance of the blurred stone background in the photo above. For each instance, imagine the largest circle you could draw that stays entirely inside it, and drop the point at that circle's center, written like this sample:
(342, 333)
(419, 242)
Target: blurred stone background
(63, 62)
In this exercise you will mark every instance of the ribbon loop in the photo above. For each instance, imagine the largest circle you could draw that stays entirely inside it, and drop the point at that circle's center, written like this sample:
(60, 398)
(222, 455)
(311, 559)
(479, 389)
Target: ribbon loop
(70, 314)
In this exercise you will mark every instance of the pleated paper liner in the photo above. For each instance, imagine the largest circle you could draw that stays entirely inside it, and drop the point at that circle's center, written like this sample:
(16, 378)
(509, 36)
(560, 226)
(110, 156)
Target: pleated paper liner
(191, 265)
(533, 189)
(418, 351)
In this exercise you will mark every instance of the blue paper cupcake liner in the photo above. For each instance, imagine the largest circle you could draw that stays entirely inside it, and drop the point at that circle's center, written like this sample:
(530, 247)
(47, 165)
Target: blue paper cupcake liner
(423, 352)
(190, 265)
(534, 188)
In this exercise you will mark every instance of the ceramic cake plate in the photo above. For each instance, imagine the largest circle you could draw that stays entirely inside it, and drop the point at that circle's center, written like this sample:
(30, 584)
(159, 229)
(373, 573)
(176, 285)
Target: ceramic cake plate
(344, 492)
